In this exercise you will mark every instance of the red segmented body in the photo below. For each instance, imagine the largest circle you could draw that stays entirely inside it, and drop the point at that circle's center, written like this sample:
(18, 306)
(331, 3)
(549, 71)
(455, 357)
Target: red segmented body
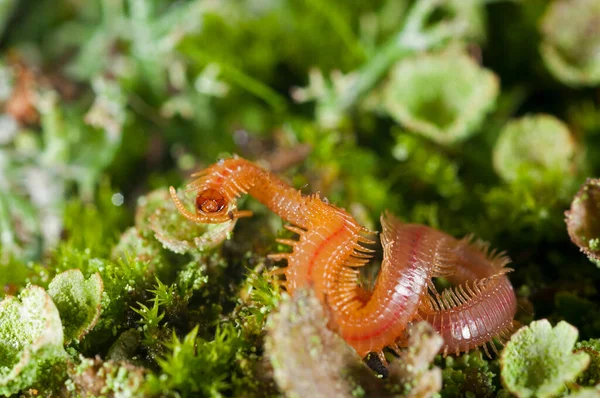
(330, 249)
(481, 306)
(471, 316)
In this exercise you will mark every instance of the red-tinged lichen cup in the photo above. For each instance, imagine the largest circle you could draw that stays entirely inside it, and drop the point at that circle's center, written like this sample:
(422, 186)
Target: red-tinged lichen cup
(583, 220)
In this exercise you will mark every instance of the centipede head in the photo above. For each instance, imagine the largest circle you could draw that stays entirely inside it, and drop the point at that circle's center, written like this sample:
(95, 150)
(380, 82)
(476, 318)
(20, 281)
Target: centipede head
(210, 201)
(211, 205)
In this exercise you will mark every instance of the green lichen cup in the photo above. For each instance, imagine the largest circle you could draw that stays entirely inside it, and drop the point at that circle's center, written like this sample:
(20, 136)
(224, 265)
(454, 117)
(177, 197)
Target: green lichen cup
(538, 360)
(31, 339)
(443, 96)
(570, 44)
(78, 301)
(536, 148)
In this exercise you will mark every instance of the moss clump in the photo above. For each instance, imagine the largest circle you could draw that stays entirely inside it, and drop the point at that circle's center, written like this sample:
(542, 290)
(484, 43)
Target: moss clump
(469, 375)
(97, 378)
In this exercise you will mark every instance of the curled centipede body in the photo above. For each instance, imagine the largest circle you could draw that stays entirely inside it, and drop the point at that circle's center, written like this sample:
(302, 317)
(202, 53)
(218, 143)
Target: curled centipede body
(331, 247)
(481, 306)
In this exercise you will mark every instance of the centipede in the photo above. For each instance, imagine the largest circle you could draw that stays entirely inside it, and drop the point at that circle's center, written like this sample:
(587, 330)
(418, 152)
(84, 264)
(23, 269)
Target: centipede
(331, 247)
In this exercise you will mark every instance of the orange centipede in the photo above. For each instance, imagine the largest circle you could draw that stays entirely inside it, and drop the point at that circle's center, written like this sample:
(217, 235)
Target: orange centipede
(331, 247)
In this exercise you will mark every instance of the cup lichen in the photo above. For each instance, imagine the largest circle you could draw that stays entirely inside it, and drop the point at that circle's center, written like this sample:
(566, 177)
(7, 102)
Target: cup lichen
(78, 302)
(31, 339)
(535, 148)
(443, 96)
(538, 360)
(583, 219)
(571, 41)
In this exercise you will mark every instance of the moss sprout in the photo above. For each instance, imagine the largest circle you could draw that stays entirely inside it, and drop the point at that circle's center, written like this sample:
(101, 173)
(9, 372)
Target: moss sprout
(469, 375)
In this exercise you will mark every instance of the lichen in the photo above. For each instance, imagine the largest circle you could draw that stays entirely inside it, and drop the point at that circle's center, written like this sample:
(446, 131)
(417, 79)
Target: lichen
(413, 370)
(536, 148)
(31, 340)
(583, 219)
(78, 302)
(421, 96)
(591, 376)
(308, 359)
(538, 360)
(570, 44)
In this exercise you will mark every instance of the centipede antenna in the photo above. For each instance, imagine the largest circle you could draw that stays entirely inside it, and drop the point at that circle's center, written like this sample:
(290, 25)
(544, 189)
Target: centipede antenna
(181, 208)
(242, 213)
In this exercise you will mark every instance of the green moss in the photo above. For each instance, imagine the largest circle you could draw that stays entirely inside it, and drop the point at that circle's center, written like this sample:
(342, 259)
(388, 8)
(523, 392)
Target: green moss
(97, 378)
(468, 375)
(193, 365)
